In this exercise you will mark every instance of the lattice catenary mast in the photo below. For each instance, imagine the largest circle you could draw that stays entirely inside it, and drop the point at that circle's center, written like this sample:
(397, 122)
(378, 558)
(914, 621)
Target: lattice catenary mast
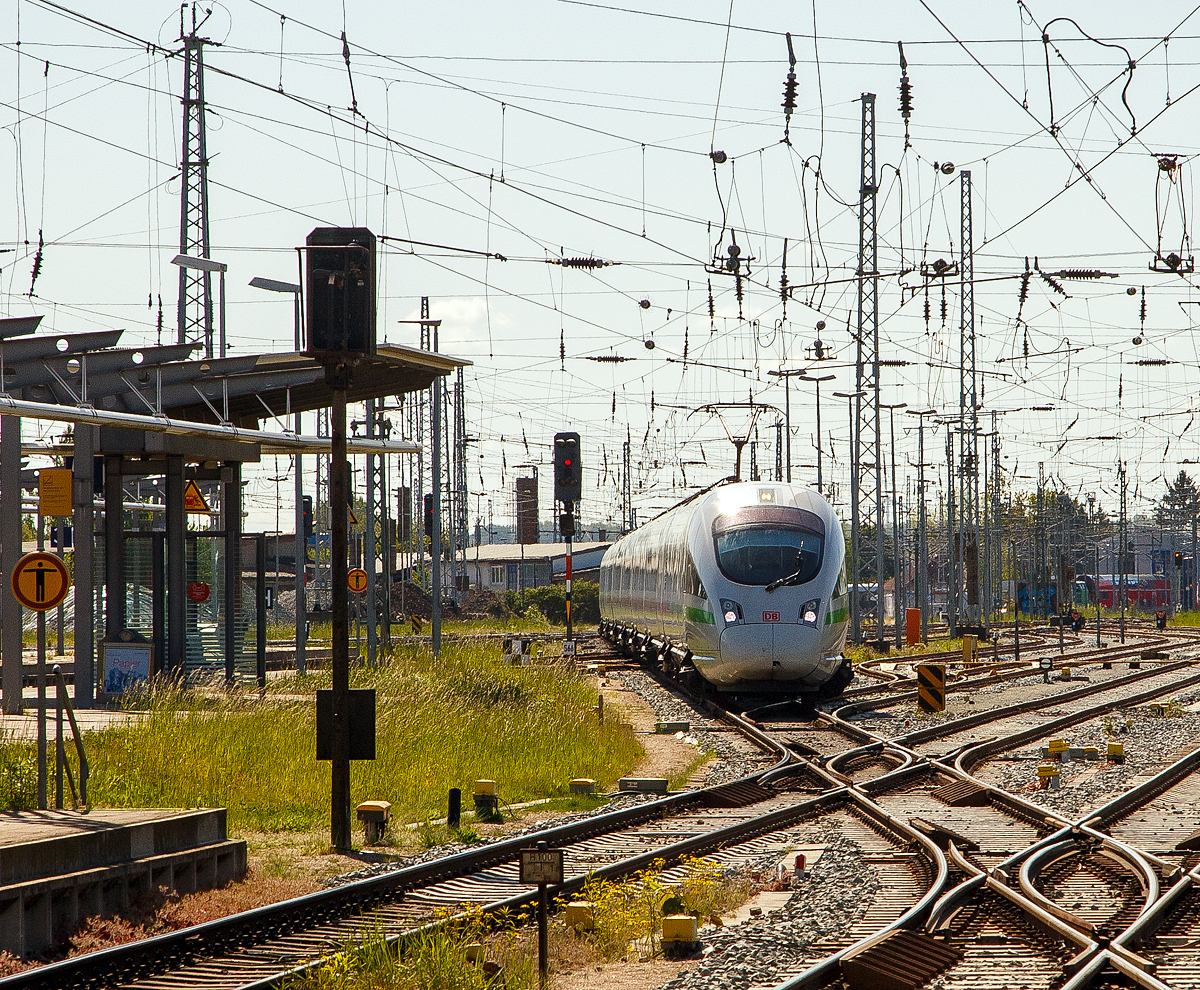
(195, 306)
(865, 450)
(968, 418)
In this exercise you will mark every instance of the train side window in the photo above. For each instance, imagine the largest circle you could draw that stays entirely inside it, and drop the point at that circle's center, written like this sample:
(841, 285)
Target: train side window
(692, 585)
(840, 586)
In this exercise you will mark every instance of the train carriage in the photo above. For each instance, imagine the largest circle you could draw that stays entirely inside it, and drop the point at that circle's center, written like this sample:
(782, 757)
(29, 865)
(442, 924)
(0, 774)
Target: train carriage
(746, 580)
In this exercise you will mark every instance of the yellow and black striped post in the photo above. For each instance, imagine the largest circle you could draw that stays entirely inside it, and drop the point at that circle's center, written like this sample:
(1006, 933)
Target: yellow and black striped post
(931, 687)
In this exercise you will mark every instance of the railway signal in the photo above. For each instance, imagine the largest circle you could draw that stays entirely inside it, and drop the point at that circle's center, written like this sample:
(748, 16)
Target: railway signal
(307, 503)
(568, 489)
(568, 472)
(341, 311)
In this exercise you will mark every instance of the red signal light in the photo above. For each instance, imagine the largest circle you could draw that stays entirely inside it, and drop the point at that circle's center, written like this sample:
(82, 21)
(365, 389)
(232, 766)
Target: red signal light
(567, 462)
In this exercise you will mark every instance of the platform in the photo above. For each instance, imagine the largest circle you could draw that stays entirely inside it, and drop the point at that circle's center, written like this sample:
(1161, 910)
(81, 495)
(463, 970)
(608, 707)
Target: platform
(59, 867)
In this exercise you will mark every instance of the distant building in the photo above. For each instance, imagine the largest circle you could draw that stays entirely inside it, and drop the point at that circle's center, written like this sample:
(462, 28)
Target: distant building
(502, 567)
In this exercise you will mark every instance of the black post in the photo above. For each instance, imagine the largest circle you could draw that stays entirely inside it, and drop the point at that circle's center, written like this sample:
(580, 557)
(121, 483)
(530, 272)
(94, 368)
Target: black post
(454, 812)
(60, 752)
(41, 692)
(570, 536)
(174, 658)
(85, 546)
(543, 927)
(114, 548)
(232, 502)
(260, 607)
(1016, 604)
(339, 811)
(158, 600)
(435, 539)
(60, 525)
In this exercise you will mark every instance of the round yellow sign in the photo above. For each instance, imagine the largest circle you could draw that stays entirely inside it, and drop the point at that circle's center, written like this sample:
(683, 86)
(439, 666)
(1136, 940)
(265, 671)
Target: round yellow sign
(356, 580)
(40, 581)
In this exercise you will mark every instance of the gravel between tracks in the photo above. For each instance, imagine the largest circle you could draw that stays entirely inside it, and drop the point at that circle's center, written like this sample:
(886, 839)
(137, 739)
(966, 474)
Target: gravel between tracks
(906, 717)
(1151, 742)
(736, 757)
(840, 888)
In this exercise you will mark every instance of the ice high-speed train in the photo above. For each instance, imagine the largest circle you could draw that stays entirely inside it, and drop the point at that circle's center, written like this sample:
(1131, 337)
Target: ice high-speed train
(745, 581)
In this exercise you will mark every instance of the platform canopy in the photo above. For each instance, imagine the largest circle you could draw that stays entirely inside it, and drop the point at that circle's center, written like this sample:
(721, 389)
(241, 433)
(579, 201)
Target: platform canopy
(92, 369)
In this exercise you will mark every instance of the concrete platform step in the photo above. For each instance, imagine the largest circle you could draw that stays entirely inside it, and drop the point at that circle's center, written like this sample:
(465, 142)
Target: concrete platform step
(59, 868)
(36, 844)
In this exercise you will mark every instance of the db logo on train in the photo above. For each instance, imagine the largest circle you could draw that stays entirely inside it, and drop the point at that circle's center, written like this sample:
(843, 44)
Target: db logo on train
(770, 616)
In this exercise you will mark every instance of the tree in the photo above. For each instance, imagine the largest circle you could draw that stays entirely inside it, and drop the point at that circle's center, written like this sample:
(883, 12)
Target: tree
(1180, 503)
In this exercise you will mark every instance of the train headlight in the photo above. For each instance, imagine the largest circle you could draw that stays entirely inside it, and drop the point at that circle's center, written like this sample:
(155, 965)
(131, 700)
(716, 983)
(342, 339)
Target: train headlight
(732, 610)
(810, 611)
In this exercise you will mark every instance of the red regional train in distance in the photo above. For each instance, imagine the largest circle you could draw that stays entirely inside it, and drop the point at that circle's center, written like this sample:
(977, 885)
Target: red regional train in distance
(1146, 592)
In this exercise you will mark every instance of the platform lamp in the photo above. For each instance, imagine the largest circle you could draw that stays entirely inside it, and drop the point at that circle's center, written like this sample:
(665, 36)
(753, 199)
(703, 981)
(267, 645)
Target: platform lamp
(273, 285)
(208, 265)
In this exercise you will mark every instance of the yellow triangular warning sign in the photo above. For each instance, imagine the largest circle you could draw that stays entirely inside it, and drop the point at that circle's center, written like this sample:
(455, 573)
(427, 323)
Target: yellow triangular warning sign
(353, 519)
(193, 499)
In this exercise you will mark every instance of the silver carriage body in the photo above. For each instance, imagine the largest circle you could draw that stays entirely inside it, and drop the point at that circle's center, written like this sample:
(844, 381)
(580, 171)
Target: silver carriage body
(664, 580)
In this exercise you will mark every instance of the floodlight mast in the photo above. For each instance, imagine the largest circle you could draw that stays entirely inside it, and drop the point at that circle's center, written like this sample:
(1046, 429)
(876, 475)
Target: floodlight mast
(207, 265)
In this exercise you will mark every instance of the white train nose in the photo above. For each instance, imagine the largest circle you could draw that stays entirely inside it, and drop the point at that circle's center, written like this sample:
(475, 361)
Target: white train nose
(769, 651)
(750, 647)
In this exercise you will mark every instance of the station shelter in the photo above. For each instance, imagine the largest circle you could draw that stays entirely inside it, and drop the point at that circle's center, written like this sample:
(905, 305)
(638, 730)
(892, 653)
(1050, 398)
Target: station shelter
(183, 590)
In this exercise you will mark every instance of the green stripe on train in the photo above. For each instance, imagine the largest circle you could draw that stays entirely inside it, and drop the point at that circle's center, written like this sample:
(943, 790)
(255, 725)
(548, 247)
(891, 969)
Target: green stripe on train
(699, 615)
(837, 615)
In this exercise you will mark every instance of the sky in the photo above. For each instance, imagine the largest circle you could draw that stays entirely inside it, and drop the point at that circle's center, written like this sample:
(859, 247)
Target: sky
(488, 142)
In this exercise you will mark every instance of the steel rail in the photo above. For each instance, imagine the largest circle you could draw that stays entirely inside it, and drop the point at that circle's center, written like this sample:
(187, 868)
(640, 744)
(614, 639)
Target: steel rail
(709, 841)
(1094, 955)
(346, 899)
(823, 972)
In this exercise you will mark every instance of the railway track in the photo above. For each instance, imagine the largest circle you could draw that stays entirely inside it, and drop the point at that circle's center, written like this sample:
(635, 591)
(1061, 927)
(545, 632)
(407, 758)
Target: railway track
(938, 862)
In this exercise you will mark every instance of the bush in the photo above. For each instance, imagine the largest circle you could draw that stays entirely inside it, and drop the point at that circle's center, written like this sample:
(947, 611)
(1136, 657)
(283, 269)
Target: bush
(551, 601)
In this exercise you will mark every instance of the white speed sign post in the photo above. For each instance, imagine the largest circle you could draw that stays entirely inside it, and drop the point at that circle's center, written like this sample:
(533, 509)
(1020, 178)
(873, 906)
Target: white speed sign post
(543, 866)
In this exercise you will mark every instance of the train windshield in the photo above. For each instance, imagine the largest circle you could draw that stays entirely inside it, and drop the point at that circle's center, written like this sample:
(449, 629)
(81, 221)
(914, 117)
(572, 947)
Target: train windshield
(757, 551)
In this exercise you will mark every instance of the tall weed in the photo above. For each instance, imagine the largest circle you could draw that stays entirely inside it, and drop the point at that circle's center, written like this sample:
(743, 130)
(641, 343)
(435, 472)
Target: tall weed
(439, 724)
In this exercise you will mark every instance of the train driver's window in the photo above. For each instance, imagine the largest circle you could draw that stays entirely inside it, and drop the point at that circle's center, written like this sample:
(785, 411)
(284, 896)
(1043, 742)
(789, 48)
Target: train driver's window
(762, 554)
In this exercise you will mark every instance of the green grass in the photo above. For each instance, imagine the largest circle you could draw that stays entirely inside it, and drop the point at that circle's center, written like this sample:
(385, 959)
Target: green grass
(440, 724)
(323, 631)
